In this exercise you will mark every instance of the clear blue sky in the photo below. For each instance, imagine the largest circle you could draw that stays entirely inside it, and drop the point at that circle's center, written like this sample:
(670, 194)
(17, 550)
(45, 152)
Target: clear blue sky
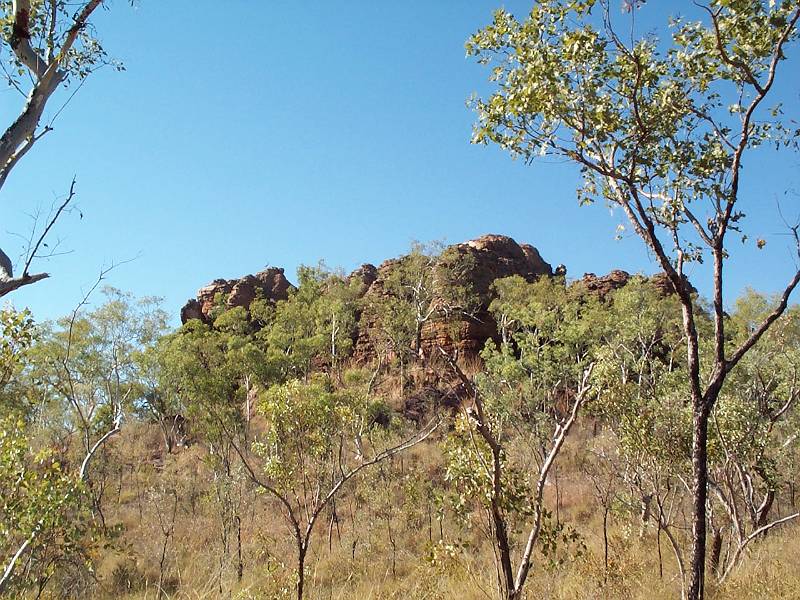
(248, 133)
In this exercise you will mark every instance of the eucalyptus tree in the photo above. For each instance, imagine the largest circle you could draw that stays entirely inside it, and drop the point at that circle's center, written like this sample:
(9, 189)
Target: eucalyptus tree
(319, 438)
(754, 433)
(522, 410)
(317, 430)
(660, 131)
(67, 387)
(51, 44)
(211, 372)
(315, 436)
(33, 487)
(429, 284)
(639, 373)
(315, 326)
(88, 370)
(412, 287)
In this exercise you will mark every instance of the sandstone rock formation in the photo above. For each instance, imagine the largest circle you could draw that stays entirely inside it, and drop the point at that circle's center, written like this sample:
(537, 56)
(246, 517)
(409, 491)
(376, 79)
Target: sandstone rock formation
(472, 266)
(478, 263)
(495, 256)
(270, 284)
(602, 286)
(366, 274)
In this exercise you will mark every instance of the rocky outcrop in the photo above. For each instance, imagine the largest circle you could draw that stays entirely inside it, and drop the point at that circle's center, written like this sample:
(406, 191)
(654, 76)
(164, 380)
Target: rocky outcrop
(662, 283)
(192, 310)
(366, 275)
(473, 266)
(270, 284)
(491, 257)
(602, 286)
(476, 265)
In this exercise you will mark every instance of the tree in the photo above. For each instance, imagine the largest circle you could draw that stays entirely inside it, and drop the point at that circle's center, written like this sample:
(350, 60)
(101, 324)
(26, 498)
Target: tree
(414, 283)
(212, 372)
(87, 366)
(660, 134)
(317, 435)
(642, 388)
(84, 377)
(41, 502)
(426, 285)
(51, 44)
(318, 439)
(66, 383)
(753, 431)
(530, 395)
(316, 324)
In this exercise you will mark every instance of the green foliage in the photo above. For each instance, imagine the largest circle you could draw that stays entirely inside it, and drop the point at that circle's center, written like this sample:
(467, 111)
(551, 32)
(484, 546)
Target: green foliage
(640, 370)
(317, 322)
(196, 365)
(86, 56)
(427, 284)
(18, 334)
(309, 425)
(549, 332)
(755, 421)
(550, 338)
(657, 127)
(40, 500)
(36, 493)
(470, 479)
(87, 367)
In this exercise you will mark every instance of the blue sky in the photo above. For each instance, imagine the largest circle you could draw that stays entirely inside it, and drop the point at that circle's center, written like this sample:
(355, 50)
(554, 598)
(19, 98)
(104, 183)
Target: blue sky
(286, 132)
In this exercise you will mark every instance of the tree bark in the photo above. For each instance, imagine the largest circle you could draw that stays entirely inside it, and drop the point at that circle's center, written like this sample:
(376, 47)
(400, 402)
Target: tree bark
(9, 285)
(699, 498)
(301, 570)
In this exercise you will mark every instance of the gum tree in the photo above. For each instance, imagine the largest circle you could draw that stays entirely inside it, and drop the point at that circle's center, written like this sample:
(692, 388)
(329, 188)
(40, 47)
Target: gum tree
(51, 44)
(317, 432)
(523, 408)
(660, 131)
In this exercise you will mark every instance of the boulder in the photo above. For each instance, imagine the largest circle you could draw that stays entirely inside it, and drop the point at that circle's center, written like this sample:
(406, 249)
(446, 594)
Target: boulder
(478, 263)
(270, 284)
(602, 286)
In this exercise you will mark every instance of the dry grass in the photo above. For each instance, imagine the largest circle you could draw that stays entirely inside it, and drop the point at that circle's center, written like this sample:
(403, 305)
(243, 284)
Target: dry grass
(389, 542)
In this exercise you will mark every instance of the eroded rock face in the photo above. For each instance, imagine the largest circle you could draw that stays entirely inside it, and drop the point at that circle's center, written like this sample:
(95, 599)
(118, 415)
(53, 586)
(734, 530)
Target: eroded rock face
(491, 257)
(270, 284)
(479, 263)
(191, 310)
(602, 286)
(664, 285)
(366, 275)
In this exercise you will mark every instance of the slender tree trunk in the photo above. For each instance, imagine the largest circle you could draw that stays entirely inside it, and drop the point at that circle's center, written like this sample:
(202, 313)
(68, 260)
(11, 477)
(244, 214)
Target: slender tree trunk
(699, 498)
(605, 545)
(644, 513)
(763, 512)
(240, 563)
(301, 570)
(504, 550)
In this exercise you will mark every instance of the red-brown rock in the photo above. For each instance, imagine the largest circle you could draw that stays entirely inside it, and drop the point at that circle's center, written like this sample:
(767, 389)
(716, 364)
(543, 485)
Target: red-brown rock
(270, 284)
(602, 286)
(479, 263)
